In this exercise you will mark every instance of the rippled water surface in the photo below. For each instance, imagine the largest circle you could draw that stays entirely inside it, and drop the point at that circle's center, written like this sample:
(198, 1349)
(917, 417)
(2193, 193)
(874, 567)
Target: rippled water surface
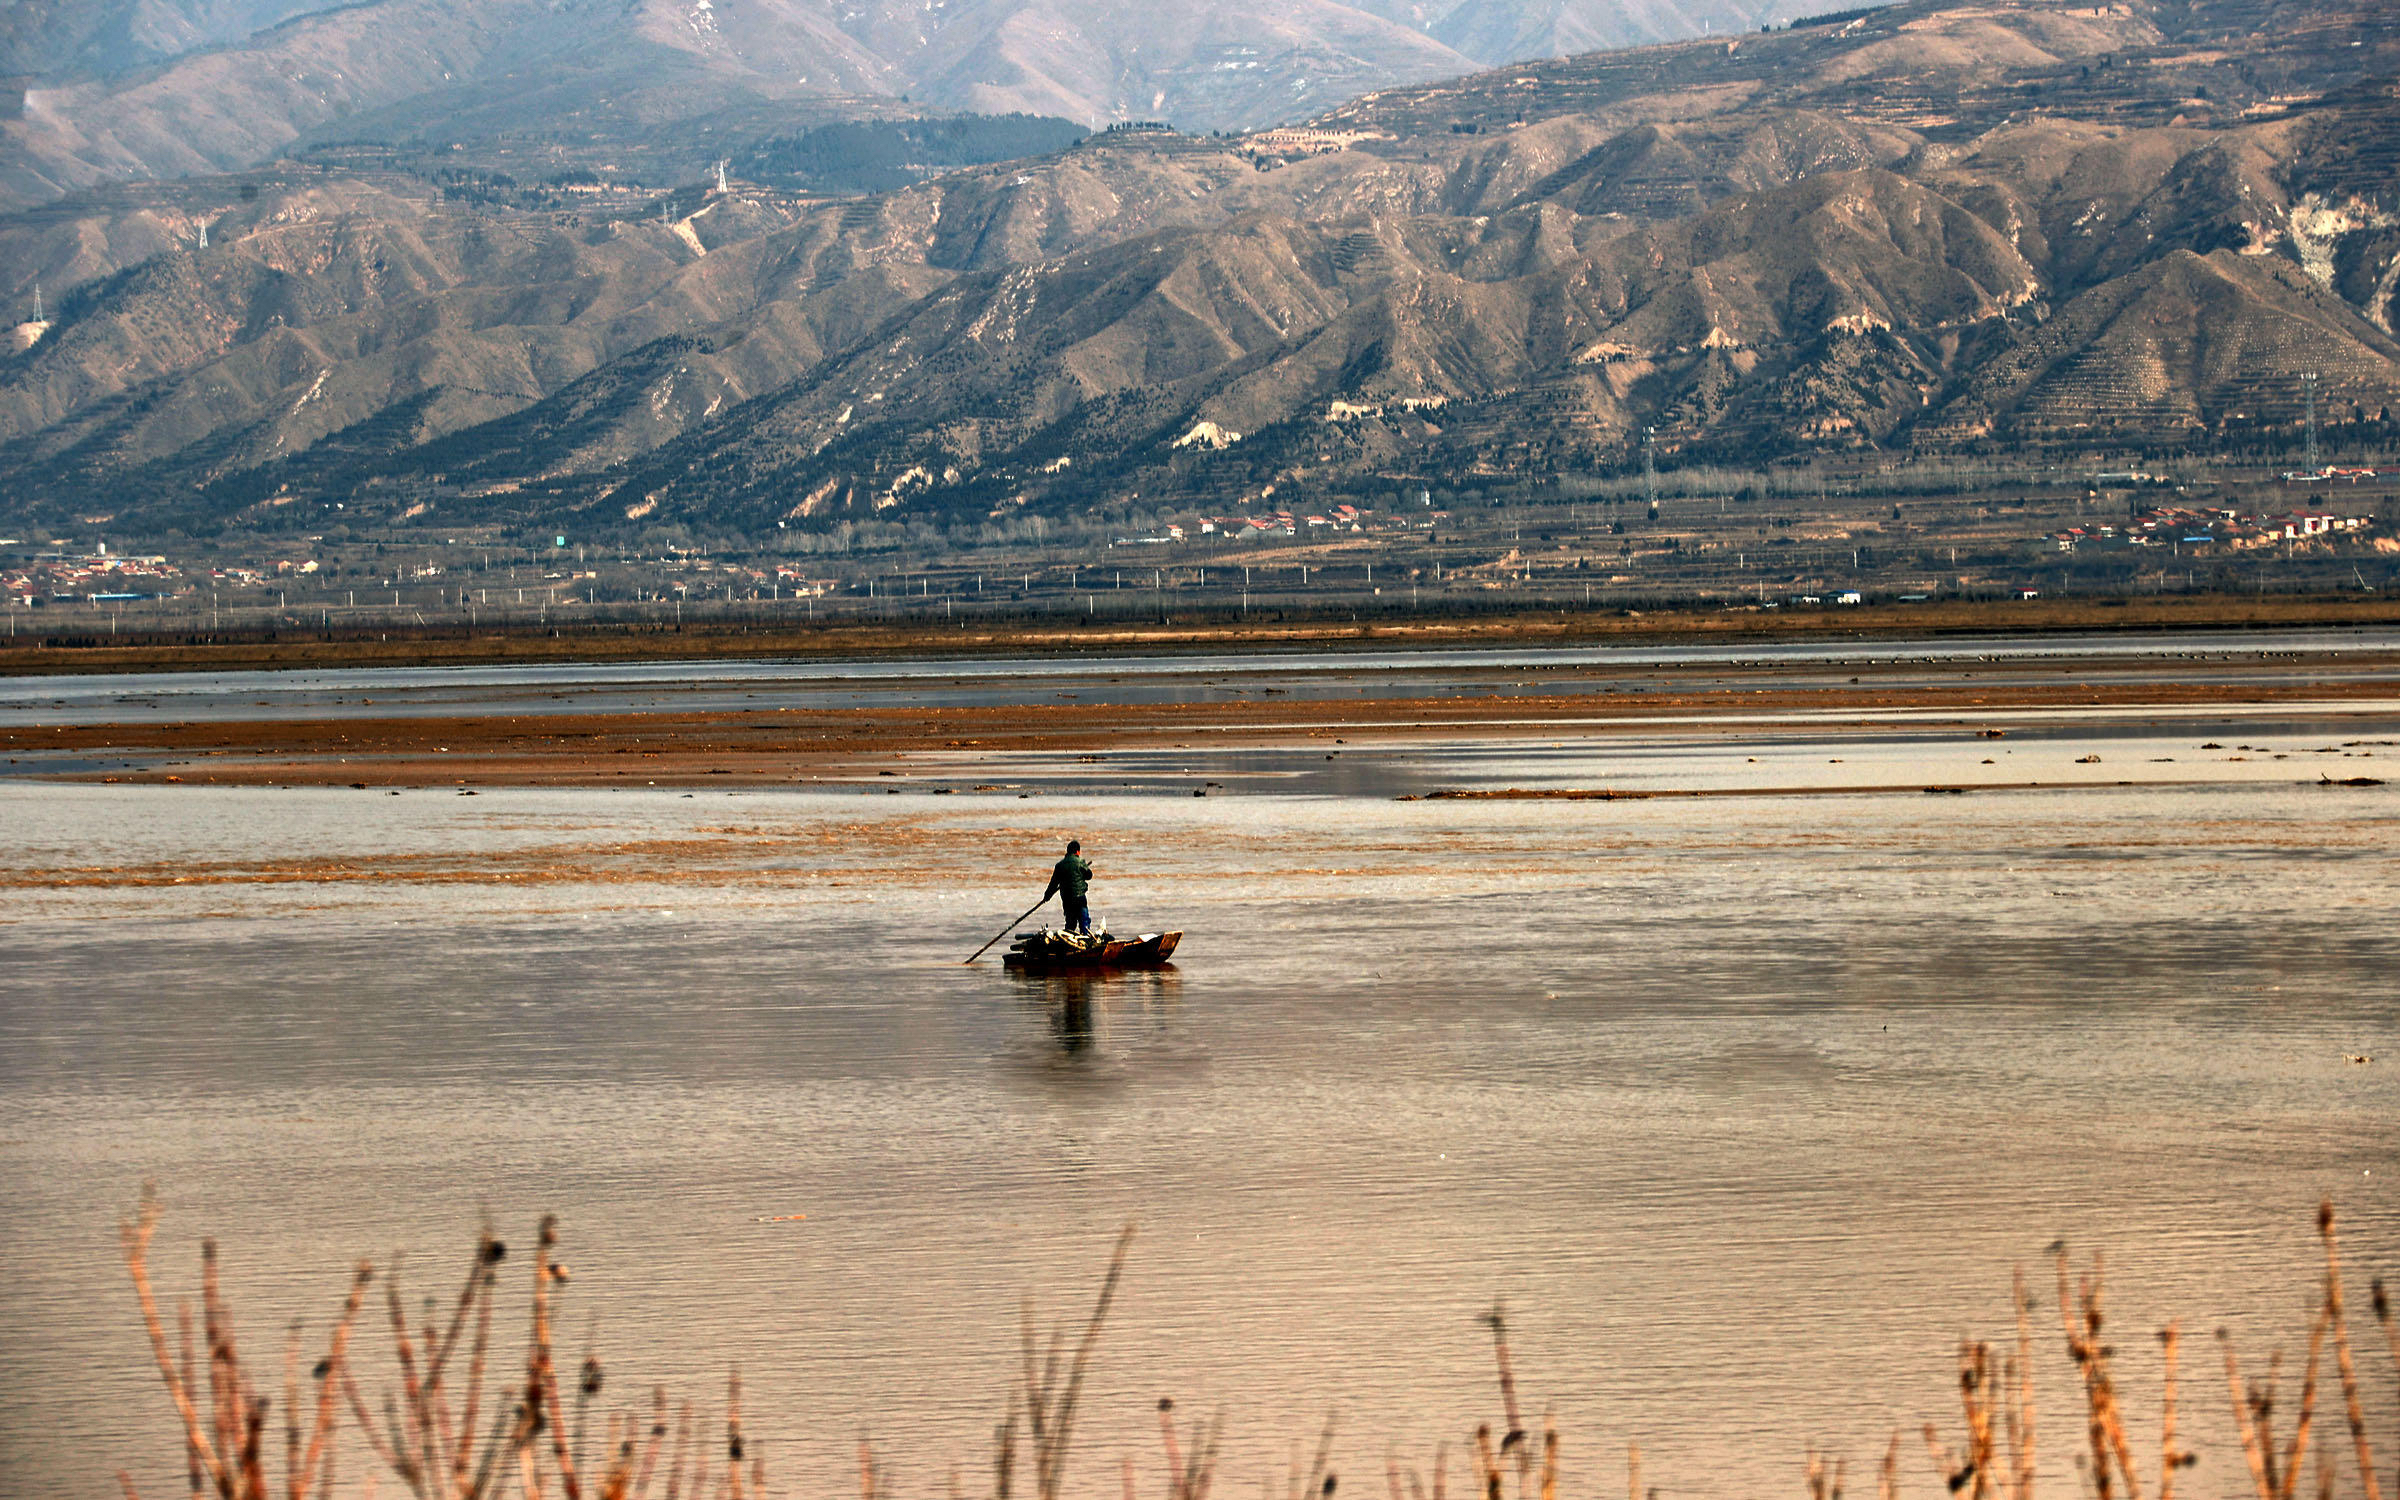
(1747, 1106)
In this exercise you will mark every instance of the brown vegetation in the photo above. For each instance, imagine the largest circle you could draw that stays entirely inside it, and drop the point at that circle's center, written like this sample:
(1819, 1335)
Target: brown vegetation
(428, 1435)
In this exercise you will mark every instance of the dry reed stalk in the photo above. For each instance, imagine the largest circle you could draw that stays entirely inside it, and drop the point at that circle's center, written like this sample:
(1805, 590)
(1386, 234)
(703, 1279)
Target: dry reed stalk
(1202, 1472)
(2383, 1318)
(191, 1442)
(735, 1447)
(658, 1438)
(201, 1452)
(291, 1407)
(683, 1450)
(616, 1447)
(1004, 1452)
(225, 1453)
(419, 1455)
(2104, 1421)
(2341, 1352)
(1976, 1395)
(1514, 1438)
(1950, 1466)
(1049, 1406)
(2276, 1475)
(1320, 1479)
(541, 1368)
(428, 1433)
(2297, 1454)
(2021, 1415)
(1166, 1438)
(2170, 1458)
(1887, 1482)
(2259, 1455)
(224, 1380)
(587, 1390)
(1189, 1476)
(1824, 1481)
(1441, 1466)
(481, 1288)
(1633, 1471)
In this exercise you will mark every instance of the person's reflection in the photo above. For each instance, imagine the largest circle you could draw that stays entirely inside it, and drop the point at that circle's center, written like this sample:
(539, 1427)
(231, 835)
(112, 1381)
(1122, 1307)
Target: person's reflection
(1071, 1014)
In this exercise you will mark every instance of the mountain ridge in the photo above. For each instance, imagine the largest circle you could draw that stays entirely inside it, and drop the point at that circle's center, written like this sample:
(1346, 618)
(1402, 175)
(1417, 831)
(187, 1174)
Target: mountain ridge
(2142, 244)
(95, 111)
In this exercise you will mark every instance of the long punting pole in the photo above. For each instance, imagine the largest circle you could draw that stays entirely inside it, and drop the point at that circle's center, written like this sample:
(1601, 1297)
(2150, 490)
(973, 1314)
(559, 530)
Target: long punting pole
(1003, 932)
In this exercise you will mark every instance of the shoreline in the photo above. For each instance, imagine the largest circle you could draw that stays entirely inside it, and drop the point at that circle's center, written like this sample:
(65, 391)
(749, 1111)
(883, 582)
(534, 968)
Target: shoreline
(960, 746)
(1331, 627)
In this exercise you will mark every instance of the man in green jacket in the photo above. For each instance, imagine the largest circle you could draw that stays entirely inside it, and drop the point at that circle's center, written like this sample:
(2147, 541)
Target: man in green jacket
(1069, 879)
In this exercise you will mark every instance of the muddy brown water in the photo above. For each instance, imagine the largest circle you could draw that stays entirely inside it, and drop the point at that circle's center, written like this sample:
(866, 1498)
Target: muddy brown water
(1747, 1106)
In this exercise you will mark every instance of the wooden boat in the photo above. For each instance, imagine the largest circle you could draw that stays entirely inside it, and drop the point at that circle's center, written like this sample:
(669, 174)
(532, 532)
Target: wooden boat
(1053, 952)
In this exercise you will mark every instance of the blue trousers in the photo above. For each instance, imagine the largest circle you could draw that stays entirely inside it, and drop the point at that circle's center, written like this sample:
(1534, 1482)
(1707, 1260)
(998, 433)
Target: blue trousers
(1077, 911)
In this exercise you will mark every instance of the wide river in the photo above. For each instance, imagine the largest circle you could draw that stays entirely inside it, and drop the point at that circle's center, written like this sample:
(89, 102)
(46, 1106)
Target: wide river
(1746, 1106)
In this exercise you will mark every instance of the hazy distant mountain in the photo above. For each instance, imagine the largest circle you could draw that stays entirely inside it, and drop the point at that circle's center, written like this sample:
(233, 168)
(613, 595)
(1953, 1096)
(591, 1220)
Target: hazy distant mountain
(1923, 228)
(61, 38)
(128, 89)
(1500, 31)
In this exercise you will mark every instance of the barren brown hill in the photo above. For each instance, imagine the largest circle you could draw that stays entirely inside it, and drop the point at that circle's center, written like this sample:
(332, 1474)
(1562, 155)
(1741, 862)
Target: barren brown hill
(1920, 228)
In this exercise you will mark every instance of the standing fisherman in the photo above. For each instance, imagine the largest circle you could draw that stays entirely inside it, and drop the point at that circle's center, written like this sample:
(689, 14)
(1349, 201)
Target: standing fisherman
(1069, 879)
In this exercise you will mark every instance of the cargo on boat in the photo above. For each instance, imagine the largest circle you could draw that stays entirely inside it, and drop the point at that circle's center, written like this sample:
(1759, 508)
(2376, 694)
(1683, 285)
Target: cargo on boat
(1052, 951)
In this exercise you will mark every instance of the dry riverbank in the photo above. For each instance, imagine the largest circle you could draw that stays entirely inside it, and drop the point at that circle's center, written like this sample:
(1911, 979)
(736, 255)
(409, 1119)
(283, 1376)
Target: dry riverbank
(813, 743)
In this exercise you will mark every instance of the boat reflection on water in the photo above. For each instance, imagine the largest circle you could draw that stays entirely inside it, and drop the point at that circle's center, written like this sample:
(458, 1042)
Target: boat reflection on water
(1071, 1022)
(1077, 1005)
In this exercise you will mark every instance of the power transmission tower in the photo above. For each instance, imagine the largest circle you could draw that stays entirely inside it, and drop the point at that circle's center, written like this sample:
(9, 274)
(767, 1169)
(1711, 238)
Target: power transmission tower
(1650, 468)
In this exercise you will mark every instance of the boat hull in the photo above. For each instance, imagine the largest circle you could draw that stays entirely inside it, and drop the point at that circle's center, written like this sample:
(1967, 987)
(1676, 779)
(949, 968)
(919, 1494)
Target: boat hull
(1148, 951)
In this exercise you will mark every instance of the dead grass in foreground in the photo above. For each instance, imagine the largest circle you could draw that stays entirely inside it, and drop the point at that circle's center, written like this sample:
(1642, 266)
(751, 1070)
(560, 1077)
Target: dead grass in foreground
(456, 1421)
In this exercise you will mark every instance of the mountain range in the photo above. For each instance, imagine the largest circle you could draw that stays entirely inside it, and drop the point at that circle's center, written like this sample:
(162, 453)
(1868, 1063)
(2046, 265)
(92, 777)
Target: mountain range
(113, 90)
(2130, 228)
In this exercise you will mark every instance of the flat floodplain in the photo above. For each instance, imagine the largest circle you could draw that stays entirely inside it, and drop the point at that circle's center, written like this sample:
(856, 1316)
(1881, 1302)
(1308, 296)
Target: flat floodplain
(1742, 1025)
